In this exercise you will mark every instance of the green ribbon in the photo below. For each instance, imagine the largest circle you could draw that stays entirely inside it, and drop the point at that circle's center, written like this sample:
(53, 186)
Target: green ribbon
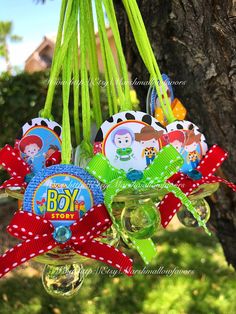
(68, 18)
(147, 55)
(167, 162)
(93, 65)
(125, 104)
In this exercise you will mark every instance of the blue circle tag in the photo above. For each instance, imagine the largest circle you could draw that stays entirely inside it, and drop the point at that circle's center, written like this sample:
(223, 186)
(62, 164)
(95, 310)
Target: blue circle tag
(62, 194)
(41, 138)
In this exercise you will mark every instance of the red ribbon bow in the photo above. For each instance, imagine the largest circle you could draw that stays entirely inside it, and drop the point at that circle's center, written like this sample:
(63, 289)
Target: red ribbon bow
(17, 168)
(207, 167)
(11, 161)
(37, 235)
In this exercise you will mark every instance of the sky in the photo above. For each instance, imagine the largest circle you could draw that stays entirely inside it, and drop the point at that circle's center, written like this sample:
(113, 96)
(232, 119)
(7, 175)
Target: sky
(30, 20)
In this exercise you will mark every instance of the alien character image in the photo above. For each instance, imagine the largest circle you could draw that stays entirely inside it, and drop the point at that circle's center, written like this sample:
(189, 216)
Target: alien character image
(149, 139)
(30, 146)
(123, 139)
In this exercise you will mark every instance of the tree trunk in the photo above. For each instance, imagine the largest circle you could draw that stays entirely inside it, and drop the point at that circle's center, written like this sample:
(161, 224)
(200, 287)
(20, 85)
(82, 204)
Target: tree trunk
(195, 41)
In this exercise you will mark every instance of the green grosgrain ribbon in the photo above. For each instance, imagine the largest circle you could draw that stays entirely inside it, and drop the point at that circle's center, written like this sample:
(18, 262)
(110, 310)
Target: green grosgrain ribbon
(167, 162)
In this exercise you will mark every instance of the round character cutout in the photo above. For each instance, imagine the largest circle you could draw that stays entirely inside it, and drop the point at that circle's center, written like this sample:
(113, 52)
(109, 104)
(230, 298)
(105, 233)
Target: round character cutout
(40, 140)
(189, 142)
(62, 194)
(130, 140)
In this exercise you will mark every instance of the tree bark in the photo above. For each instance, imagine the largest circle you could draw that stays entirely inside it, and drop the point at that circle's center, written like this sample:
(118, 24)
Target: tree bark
(195, 41)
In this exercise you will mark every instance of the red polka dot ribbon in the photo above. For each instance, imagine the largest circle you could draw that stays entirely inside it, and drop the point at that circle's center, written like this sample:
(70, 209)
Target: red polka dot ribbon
(37, 235)
(207, 167)
(11, 161)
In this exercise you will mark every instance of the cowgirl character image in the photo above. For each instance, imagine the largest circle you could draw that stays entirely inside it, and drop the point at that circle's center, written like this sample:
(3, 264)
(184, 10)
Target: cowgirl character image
(30, 146)
(149, 139)
(188, 144)
(123, 139)
(177, 140)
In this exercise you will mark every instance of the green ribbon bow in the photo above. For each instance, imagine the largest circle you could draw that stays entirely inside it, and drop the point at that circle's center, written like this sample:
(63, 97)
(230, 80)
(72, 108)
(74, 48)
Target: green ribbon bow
(167, 162)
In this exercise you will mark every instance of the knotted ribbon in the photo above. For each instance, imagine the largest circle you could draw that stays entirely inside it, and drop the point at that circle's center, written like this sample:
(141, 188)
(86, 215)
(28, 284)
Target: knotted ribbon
(206, 168)
(38, 238)
(167, 162)
(17, 168)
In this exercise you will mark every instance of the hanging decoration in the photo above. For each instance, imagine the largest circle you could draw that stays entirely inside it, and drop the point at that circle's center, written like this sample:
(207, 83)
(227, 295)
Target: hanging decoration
(150, 164)
(166, 163)
(130, 137)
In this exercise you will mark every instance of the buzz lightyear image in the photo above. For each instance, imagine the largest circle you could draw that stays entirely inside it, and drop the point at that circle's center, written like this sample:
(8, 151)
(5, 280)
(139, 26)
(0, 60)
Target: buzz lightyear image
(123, 139)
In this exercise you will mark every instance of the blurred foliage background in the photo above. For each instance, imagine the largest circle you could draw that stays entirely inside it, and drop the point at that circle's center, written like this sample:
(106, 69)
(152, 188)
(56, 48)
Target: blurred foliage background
(21, 98)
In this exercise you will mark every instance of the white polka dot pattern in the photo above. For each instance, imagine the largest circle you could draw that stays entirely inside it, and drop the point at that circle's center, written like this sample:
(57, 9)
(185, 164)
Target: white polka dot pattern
(15, 166)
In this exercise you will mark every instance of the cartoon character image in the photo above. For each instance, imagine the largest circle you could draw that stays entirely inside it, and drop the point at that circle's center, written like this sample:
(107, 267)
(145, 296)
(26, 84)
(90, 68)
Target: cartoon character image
(42, 205)
(191, 143)
(148, 138)
(30, 146)
(186, 141)
(177, 140)
(51, 150)
(52, 156)
(123, 139)
(80, 206)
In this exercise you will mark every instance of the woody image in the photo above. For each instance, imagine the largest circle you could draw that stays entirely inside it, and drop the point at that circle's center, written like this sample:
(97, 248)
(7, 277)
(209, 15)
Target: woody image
(149, 139)
(191, 144)
(52, 156)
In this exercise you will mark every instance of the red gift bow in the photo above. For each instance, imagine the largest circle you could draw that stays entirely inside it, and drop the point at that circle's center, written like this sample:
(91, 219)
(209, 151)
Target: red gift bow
(37, 235)
(207, 167)
(11, 161)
